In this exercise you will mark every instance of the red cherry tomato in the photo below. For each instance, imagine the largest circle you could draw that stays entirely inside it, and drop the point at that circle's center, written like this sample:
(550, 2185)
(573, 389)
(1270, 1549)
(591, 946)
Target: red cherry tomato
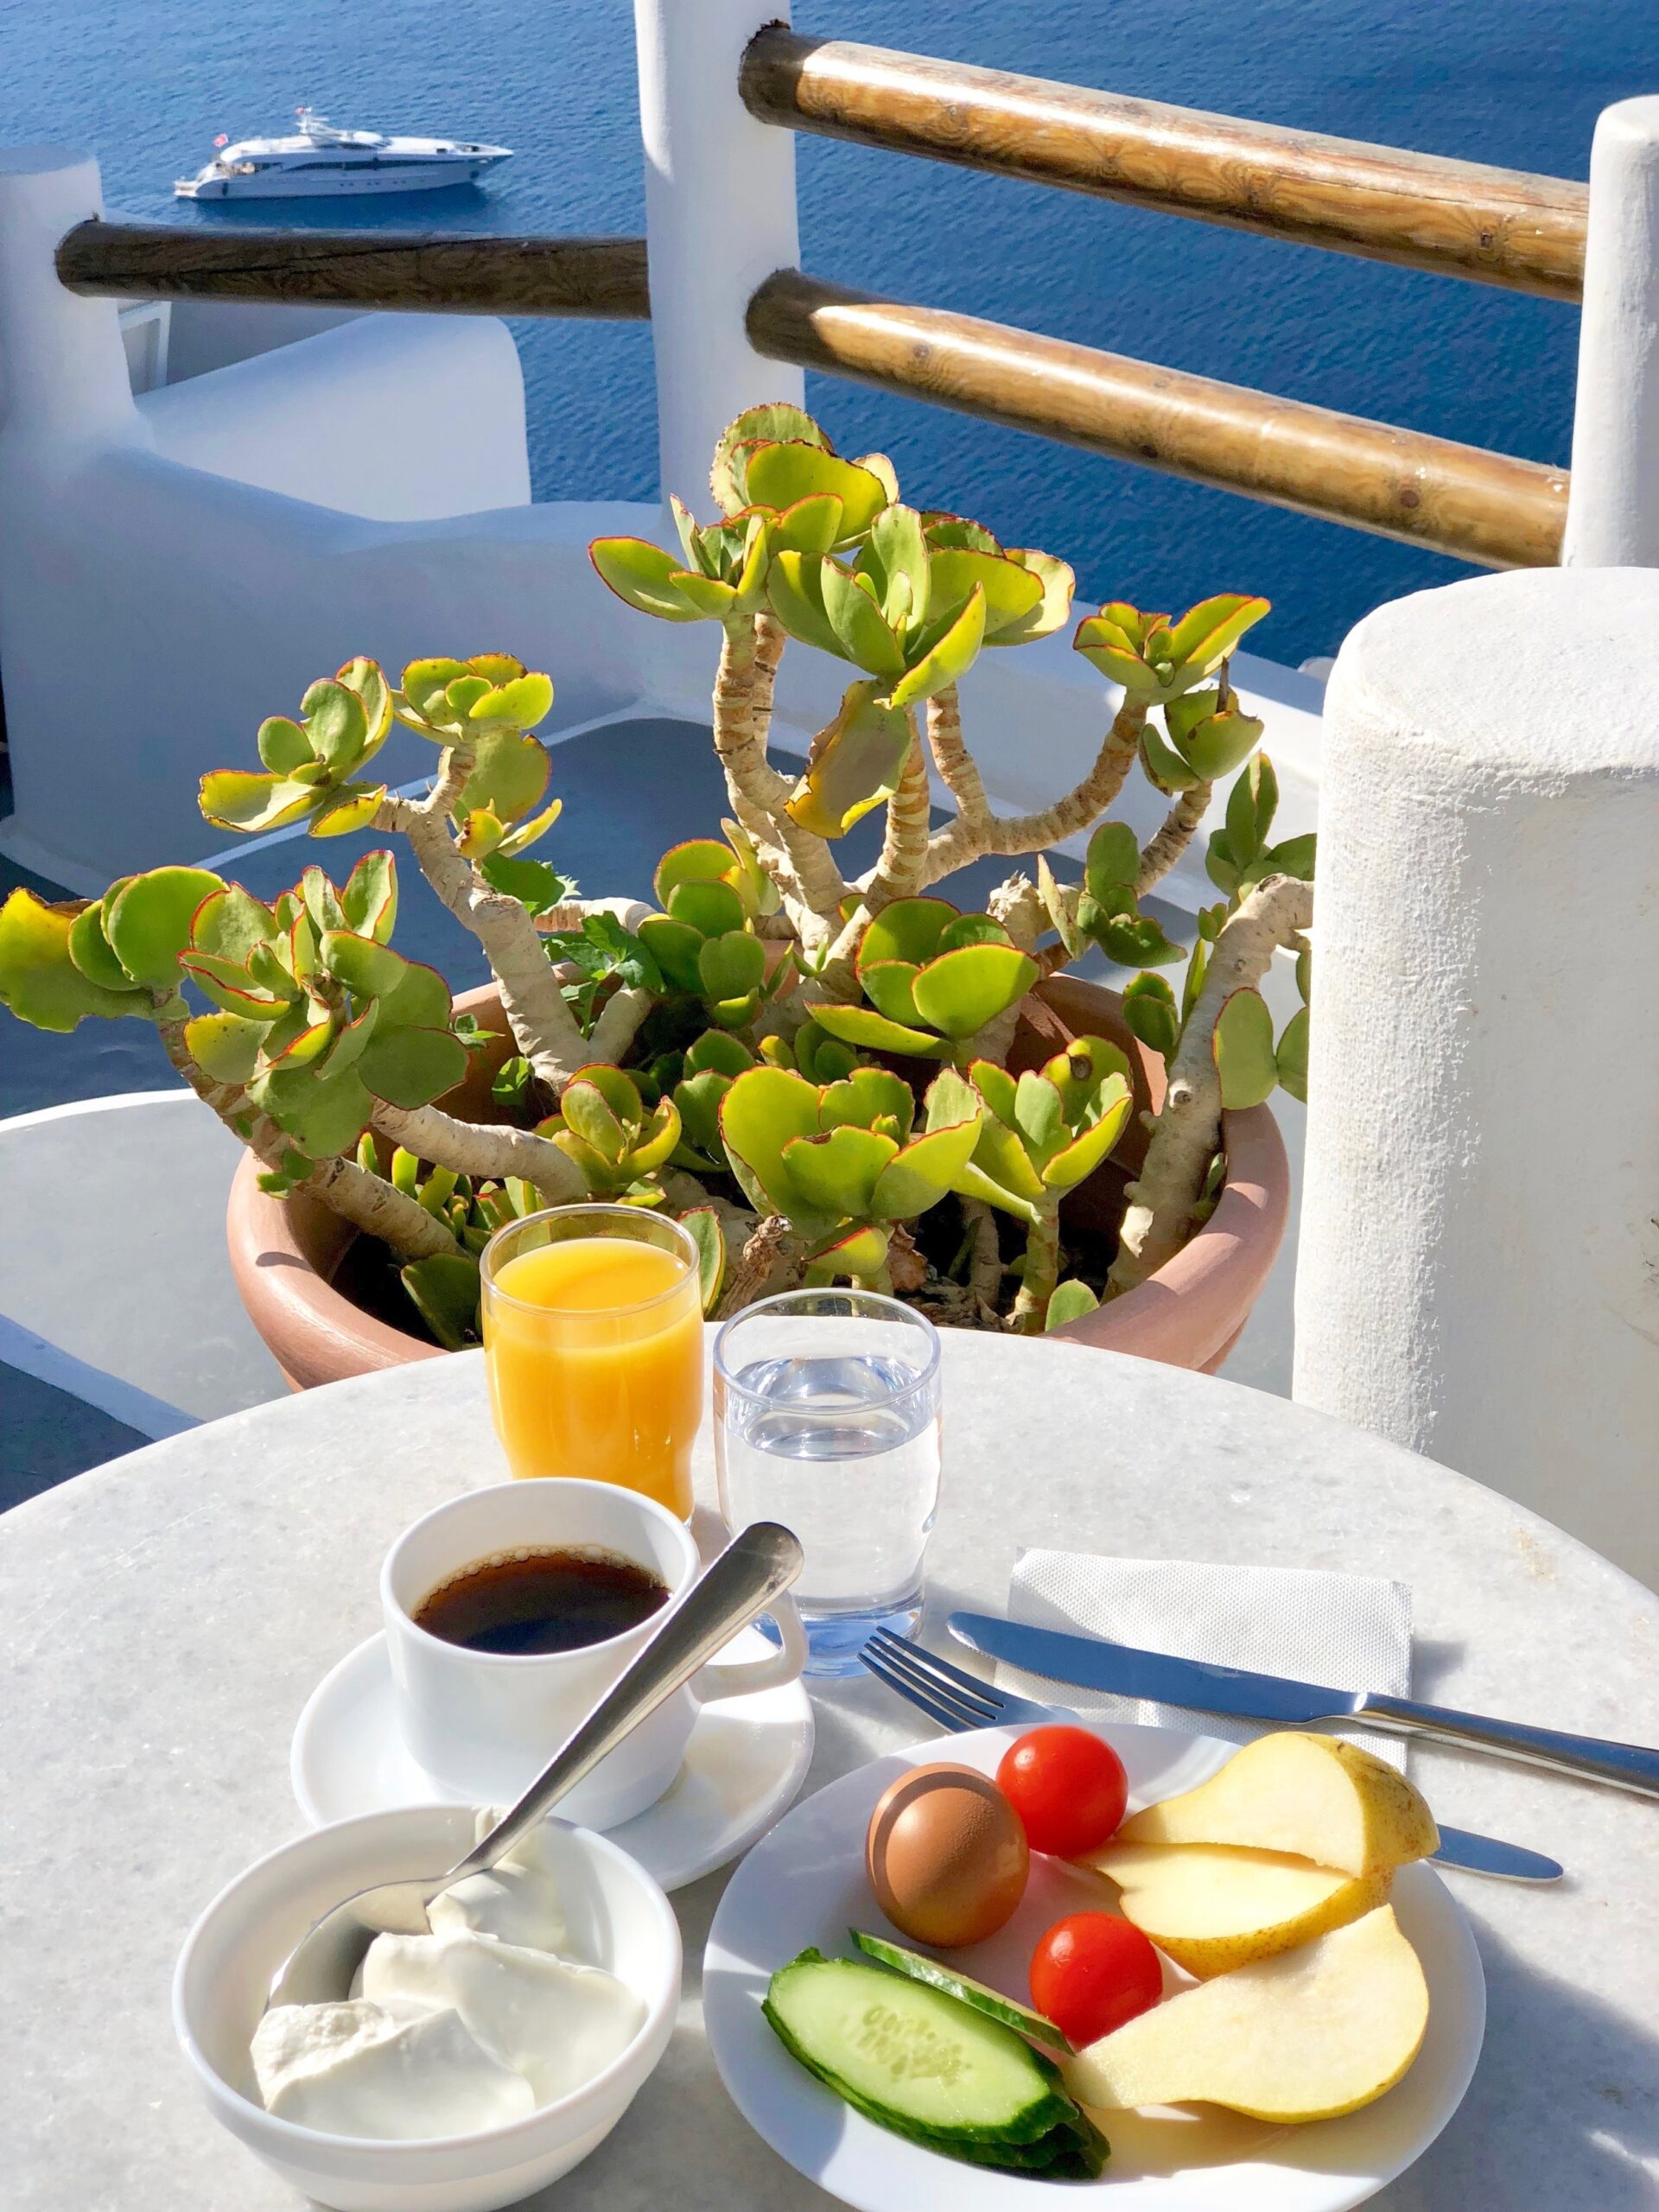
(1068, 1788)
(1092, 1971)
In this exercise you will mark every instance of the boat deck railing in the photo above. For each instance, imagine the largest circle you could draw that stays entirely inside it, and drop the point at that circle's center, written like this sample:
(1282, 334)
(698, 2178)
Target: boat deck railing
(1456, 218)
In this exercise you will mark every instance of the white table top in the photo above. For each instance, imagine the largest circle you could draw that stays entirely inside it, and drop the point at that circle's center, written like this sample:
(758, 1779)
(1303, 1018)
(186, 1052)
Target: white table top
(167, 1616)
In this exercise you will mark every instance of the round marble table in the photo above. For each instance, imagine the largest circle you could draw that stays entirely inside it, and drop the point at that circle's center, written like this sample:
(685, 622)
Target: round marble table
(166, 1616)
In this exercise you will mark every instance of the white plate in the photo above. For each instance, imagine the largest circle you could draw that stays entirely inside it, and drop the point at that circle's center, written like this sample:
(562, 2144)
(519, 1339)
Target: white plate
(746, 1759)
(805, 1885)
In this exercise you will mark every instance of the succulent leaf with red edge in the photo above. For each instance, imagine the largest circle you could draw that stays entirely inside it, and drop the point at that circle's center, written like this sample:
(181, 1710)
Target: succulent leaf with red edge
(1040, 1134)
(605, 1128)
(934, 978)
(1156, 660)
(42, 981)
(456, 702)
(719, 575)
(840, 1162)
(308, 764)
(704, 942)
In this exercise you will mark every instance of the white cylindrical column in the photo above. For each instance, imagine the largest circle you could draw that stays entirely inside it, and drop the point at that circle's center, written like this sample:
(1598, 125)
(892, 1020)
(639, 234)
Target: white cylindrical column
(63, 371)
(1612, 512)
(1478, 1269)
(719, 217)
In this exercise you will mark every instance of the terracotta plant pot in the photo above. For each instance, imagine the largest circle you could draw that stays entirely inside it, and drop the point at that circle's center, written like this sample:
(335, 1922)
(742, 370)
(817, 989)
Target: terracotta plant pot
(1191, 1313)
(284, 1252)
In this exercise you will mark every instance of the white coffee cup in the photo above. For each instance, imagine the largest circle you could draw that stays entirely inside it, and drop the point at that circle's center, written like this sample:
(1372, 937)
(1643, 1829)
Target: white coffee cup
(484, 1724)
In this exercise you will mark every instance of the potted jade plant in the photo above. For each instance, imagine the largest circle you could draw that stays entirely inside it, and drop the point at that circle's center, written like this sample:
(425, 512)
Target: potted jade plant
(827, 1079)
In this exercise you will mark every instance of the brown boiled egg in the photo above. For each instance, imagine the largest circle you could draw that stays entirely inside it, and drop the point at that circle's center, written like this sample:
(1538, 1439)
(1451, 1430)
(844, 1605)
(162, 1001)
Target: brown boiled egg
(946, 1855)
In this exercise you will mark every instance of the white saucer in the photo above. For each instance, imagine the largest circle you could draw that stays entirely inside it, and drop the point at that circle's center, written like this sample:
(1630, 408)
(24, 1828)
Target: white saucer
(806, 1885)
(746, 1759)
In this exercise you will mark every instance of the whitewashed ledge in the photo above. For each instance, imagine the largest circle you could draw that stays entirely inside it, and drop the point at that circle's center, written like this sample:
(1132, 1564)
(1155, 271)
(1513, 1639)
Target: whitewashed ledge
(165, 1618)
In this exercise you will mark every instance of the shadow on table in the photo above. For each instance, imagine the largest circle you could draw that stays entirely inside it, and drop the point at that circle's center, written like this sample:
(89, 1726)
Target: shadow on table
(1546, 2123)
(1433, 1658)
(682, 2144)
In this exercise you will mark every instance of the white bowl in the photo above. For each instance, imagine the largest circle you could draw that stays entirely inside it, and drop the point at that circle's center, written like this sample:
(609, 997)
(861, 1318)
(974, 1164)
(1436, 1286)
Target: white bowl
(617, 1918)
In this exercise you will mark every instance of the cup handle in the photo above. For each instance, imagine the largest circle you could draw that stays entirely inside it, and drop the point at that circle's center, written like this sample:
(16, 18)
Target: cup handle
(743, 1677)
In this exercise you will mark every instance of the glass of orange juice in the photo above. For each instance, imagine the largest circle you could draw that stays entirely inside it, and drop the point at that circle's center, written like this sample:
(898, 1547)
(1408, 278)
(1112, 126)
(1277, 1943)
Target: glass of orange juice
(593, 1336)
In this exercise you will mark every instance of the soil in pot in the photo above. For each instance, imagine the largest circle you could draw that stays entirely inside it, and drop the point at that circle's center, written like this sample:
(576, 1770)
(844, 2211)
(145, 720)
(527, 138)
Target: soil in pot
(368, 1275)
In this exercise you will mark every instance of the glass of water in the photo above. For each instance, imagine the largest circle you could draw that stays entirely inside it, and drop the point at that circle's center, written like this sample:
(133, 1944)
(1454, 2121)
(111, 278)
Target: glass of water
(827, 1419)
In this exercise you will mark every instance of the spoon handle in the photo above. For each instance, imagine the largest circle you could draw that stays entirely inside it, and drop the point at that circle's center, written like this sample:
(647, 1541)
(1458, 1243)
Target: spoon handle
(754, 1569)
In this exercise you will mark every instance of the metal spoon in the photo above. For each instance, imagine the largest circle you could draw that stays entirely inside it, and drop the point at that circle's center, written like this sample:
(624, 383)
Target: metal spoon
(752, 1571)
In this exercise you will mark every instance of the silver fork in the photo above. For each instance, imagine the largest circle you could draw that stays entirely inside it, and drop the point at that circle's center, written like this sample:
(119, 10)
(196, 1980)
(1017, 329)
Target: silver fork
(959, 1701)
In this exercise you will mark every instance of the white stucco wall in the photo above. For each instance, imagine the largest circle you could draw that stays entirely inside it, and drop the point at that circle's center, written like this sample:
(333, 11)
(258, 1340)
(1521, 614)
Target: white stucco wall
(1612, 514)
(396, 418)
(138, 1305)
(1479, 1261)
(720, 218)
(179, 610)
(211, 334)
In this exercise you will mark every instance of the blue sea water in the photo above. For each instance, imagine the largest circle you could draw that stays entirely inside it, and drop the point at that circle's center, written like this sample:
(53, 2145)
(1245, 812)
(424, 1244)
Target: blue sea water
(145, 84)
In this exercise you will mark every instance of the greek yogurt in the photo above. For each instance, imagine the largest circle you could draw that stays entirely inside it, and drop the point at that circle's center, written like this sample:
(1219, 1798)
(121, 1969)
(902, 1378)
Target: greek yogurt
(481, 2022)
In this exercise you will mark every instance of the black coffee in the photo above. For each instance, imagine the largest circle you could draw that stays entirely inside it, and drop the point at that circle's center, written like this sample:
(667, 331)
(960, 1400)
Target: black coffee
(530, 1601)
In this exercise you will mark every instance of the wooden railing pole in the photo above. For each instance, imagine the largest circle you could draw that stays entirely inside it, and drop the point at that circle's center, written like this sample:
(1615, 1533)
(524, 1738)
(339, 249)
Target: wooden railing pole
(1497, 227)
(1424, 490)
(598, 279)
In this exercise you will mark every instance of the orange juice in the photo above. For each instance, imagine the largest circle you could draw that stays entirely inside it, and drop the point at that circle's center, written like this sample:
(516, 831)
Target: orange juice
(594, 1349)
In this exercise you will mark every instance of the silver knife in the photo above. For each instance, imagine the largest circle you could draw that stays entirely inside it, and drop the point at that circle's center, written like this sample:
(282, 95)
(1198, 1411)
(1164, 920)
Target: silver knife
(1094, 1663)
(1458, 1847)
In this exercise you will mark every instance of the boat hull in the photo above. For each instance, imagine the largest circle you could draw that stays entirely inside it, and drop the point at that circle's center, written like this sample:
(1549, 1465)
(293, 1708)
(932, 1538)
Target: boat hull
(349, 184)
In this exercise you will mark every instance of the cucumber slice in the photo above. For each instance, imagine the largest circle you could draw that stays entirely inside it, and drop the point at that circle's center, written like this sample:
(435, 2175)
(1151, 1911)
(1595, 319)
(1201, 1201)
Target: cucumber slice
(911, 2057)
(1087, 2154)
(1066, 2143)
(1075, 2165)
(1059, 2144)
(1053, 2156)
(991, 2002)
(1061, 2155)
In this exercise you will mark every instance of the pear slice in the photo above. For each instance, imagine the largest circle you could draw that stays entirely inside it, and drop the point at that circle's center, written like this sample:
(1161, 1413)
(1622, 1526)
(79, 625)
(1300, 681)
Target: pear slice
(1311, 1795)
(1213, 1906)
(1303, 2036)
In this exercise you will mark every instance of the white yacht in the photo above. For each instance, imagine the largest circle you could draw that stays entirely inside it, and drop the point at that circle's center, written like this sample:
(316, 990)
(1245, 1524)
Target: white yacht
(321, 162)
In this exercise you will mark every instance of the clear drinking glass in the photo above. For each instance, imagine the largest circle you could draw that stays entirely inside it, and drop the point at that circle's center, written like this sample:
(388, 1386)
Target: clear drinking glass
(827, 1419)
(593, 1338)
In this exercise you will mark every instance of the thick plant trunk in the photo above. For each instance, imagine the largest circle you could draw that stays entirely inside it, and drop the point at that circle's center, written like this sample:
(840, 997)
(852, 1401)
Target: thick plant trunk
(1161, 852)
(904, 848)
(898, 874)
(482, 1150)
(773, 1259)
(543, 1026)
(958, 769)
(1188, 1128)
(977, 832)
(372, 1205)
(1042, 1271)
(801, 864)
(985, 1257)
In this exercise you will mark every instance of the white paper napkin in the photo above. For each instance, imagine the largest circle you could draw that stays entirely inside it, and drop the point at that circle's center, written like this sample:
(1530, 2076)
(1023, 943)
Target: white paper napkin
(1351, 1632)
